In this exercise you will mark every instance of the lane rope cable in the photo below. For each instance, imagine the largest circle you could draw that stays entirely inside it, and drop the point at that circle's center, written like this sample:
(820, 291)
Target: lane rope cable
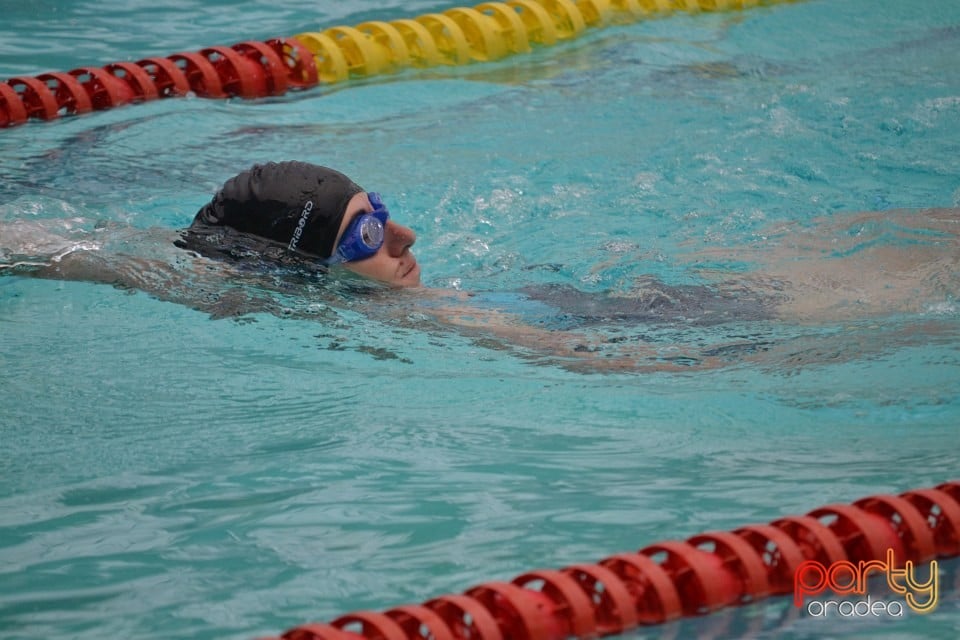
(486, 32)
(670, 580)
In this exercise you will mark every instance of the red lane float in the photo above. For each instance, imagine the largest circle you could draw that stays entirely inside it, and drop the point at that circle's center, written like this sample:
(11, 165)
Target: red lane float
(69, 94)
(37, 99)
(668, 580)
(104, 89)
(12, 109)
(264, 64)
(247, 70)
(201, 74)
(300, 65)
(136, 84)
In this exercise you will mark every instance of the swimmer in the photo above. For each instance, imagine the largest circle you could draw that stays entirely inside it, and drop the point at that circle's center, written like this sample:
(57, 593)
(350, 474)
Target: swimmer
(280, 224)
(300, 213)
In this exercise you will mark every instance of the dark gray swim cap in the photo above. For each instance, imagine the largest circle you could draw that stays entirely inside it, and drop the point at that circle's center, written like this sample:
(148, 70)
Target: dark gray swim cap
(294, 204)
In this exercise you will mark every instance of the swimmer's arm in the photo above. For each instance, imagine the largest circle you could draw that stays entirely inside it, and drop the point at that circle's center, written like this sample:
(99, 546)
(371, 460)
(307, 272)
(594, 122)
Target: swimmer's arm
(90, 266)
(577, 350)
(65, 250)
(179, 284)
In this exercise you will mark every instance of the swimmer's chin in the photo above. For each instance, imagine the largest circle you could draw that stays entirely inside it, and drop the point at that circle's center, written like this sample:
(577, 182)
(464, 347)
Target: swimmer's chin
(411, 279)
(407, 276)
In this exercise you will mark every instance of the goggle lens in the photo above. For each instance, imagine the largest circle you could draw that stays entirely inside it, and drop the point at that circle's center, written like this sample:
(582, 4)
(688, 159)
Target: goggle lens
(364, 236)
(371, 232)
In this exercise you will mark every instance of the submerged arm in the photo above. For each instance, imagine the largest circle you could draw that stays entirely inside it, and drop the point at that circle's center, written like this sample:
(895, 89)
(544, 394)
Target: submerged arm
(42, 251)
(575, 350)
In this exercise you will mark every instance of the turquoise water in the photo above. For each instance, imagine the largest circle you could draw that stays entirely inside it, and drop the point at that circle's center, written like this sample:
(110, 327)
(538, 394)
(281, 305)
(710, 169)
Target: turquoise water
(166, 475)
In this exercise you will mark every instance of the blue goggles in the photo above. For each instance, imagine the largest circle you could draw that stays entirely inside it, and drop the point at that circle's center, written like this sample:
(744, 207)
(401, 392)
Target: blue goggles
(364, 236)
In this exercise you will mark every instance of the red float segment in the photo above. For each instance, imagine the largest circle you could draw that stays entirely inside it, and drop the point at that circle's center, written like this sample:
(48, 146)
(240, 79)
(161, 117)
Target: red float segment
(200, 73)
(420, 623)
(238, 75)
(614, 609)
(915, 535)
(36, 97)
(275, 73)
(298, 61)
(702, 581)
(12, 110)
(864, 536)
(465, 617)
(739, 558)
(816, 541)
(779, 553)
(105, 89)
(571, 606)
(654, 594)
(942, 514)
(517, 612)
(166, 77)
(70, 95)
(140, 87)
(370, 625)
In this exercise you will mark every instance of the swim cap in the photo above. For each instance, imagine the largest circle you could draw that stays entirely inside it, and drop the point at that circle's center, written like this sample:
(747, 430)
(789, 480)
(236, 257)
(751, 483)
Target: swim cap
(294, 204)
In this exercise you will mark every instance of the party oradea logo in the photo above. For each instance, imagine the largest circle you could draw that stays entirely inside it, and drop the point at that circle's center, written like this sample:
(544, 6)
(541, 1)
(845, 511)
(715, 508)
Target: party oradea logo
(844, 578)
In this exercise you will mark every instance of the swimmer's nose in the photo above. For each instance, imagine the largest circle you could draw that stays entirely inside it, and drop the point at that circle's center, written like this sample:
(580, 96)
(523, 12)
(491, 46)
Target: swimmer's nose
(399, 238)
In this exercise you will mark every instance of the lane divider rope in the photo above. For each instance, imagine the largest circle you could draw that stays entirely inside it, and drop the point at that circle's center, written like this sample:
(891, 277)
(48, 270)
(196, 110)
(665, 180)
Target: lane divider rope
(670, 580)
(462, 35)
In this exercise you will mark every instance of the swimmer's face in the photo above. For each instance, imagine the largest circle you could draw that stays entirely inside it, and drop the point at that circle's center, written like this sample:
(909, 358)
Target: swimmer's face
(393, 263)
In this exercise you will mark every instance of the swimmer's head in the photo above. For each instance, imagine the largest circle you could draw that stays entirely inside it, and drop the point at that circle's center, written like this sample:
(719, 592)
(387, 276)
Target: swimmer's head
(298, 212)
(293, 204)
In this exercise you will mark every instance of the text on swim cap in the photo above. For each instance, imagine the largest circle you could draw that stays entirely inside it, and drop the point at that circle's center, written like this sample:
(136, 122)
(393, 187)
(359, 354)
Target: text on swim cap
(304, 215)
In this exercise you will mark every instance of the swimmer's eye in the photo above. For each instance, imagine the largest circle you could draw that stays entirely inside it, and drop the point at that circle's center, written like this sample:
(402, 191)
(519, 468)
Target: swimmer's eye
(371, 232)
(364, 236)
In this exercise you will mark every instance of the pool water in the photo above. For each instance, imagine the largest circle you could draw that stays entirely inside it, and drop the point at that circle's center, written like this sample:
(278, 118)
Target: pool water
(164, 474)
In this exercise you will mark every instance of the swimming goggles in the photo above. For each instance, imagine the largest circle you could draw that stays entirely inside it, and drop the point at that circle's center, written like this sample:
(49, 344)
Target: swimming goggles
(364, 236)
